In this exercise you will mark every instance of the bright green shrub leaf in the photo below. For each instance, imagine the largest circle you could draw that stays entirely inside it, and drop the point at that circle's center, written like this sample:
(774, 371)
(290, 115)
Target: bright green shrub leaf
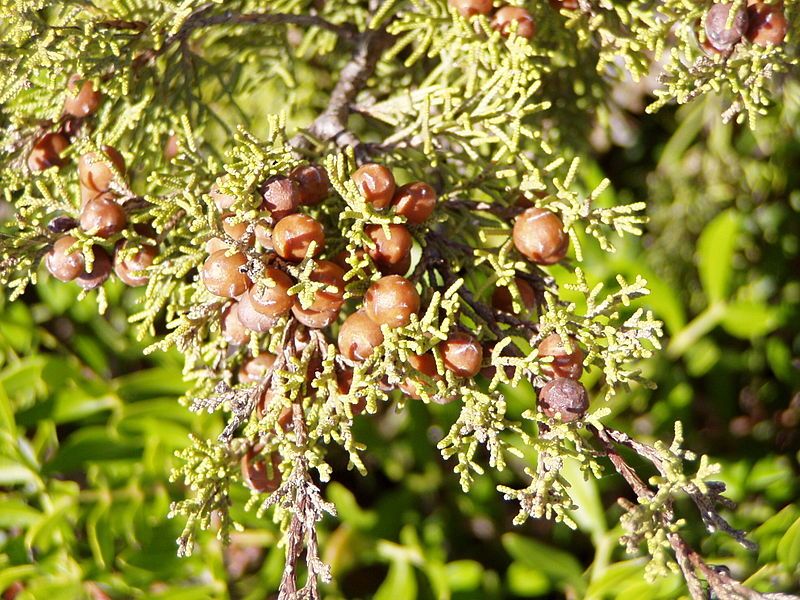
(750, 319)
(75, 403)
(91, 444)
(16, 513)
(400, 583)
(464, 575)
(15, 473)
(789, 547)
(348, 509)
(527, 581)
(561, 567)
(715, 250)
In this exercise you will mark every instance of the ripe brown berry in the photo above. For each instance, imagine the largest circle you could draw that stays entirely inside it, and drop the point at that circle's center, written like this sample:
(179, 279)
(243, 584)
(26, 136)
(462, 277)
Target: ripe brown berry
(565, 399)
(392, 249)
(220, 199)
(539, 236)
(376, 184)
(257, 475)
(271, 297)
(462, 354)
(281, 196)
(415, 201)
(103, 217)
(46, 152)
(214, 244)
(132, 270)
(232, 329)
(766, 23)
(171, 147)
(284, 419)
(263, 233)
(313, 183)
(505, 16)
(314, 319)
(425, 364)
(359, 336)
(565, 4)
(62, 224)
(469, 8)
(341, 258)
(232, 228)
(64, 265)
(251, 318)
(293, 235)
(564, 364)
(332, 296)
(254, 369)
(222, 275)
(101, 269)
(501, 297)
(94, 172)
(81, 102)
(391, 300)
(718, 34)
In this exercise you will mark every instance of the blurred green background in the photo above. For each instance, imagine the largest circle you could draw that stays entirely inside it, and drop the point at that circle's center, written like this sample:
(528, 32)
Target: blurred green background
(88, 427)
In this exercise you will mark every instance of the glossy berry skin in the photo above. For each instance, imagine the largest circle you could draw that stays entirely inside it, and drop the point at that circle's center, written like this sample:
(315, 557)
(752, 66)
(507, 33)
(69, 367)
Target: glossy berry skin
(272, 300)
(281, 196)
(254, 369)
(257, 475)
(539, 236)
(359, 336)
(469, 8)
(391, 301)
(718, 35)
(220, 199)
(221, 274)
(566, 4)
(95, 174)
(330, 298)
(64, 265)
(392, 249)
(505, 16)
(81, 102)
(415, 201)
(62, 224)
(314, 319)
(564, 364)
(232, 329)
(292, 236)
(132, 270)
(462, 354)
(101, 269)
(313, 183)
(564, 399)
(103, 217)
(425, 364)
(171, 147)
(263, 232)
(376, 183)
(232, 228)
(251, 318)
(502, 300)
(766, 24)
(46, 152)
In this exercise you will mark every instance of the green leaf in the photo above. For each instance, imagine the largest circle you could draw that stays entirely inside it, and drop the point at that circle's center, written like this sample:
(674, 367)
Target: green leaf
(747, 319)
(789, 547)
(74, 404)
(562, 568)
(14, 473)
(464, 575)
(348, 509)
(589, 515)
(526, 581)
(715, 250)
(16, 513)
(400, 583)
